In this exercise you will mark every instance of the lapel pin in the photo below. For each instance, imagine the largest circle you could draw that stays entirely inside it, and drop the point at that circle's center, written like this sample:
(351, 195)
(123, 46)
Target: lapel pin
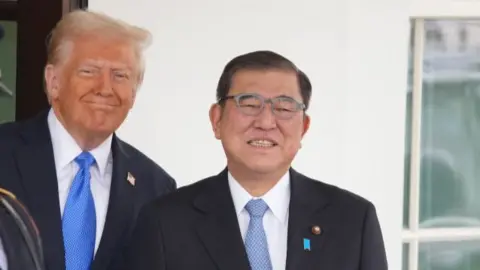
(316, 230)
(131, 179)
(306, 244)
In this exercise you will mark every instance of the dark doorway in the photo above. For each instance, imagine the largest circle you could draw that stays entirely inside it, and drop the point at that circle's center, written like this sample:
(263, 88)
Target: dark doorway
(27, 23)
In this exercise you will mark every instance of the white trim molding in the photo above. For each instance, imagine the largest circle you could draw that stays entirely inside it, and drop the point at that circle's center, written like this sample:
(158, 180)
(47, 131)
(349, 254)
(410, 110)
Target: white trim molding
(444, 8)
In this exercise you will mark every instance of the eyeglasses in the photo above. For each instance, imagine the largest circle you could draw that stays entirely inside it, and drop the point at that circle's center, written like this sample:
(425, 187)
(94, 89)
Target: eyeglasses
(251, 104)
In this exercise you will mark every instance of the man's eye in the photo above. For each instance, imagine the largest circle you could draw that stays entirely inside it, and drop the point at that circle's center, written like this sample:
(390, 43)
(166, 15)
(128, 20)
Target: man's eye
(250, 105)
(283, 109)
(87, 72)
(121, 76)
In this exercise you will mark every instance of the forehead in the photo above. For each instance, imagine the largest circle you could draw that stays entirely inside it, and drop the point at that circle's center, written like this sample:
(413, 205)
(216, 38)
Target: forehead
(102, 50)
(269, 83)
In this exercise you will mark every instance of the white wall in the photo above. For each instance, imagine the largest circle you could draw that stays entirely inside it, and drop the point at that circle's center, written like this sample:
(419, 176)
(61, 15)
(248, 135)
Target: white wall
(355, 53)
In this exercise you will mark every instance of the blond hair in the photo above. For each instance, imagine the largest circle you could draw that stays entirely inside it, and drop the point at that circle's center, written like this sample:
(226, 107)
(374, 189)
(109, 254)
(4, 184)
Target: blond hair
(83, 22)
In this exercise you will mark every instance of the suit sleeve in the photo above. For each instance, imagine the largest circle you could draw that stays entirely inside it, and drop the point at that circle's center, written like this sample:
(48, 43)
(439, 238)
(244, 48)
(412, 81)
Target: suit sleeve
(167, 183)
(373, 248)
(145, 250)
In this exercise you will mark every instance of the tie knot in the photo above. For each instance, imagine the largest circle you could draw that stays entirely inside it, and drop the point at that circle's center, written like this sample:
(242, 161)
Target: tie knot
(256, 208)
(85, 160)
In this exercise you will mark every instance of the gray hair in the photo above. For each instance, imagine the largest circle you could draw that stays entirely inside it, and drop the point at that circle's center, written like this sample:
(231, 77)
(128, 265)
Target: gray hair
(83, 22)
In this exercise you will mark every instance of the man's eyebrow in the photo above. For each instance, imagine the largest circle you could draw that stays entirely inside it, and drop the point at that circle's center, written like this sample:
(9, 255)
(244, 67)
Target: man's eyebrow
(121, 68)
(283, 96)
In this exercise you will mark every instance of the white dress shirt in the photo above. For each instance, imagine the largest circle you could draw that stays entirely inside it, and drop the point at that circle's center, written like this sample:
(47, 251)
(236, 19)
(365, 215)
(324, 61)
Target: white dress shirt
(275, 220)
(65, 150)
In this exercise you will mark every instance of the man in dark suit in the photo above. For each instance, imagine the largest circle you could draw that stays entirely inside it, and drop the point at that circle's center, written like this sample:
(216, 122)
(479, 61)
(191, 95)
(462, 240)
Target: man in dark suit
(259, 213)
(83, 185)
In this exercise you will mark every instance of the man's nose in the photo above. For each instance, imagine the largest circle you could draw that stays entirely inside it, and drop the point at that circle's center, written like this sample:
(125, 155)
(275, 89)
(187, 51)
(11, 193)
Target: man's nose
(266, 119)
(105, 84)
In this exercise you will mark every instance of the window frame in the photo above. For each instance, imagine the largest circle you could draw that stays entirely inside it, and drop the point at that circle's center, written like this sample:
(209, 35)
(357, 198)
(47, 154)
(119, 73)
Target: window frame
(413, 236)
(8, 10)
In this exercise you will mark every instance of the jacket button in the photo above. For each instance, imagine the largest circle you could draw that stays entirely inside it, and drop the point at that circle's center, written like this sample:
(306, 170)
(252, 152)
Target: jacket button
(316, 230)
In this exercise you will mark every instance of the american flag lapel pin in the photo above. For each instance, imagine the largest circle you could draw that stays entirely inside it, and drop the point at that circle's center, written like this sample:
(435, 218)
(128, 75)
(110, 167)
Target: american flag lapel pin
(131, 179)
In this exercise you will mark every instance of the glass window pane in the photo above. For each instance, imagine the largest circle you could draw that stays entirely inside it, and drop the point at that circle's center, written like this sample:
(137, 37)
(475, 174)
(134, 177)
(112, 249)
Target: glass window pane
(450, 151)
(405, 257)
(8, 56)
(463, 255)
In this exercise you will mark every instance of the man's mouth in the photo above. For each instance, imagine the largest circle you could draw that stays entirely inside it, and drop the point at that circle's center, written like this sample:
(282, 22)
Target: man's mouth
(263, 143)
(101, 105)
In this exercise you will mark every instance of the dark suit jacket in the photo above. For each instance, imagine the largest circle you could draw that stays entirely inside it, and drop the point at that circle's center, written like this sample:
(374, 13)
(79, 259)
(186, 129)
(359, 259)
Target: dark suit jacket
(27, 169)
(197, 228)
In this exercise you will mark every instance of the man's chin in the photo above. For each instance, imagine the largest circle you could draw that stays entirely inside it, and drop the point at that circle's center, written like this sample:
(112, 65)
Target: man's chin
(264, 166)
(101, 128)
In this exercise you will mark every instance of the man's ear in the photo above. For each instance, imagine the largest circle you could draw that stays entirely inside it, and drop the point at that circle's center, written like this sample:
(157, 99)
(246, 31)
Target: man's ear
(215, 114)
(134, 96)
(306, 124)
(52, 81)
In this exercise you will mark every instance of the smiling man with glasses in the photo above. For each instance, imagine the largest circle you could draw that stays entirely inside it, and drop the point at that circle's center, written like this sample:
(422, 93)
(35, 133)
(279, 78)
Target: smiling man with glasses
(259, 213)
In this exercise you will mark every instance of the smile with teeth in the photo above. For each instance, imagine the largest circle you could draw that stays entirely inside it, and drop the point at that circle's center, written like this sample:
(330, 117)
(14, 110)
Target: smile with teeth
(262, 143)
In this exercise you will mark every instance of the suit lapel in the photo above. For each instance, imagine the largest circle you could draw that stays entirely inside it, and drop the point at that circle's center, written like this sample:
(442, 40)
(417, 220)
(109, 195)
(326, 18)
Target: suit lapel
(36, 165)
(219, 230)
(120, 206)
(307, 206)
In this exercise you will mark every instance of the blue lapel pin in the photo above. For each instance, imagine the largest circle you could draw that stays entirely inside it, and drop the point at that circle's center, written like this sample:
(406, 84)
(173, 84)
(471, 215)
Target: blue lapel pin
(306, 244)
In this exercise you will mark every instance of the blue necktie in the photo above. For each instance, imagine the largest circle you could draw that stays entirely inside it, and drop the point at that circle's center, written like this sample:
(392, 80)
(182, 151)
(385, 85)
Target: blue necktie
(79, 219)
(256, 239)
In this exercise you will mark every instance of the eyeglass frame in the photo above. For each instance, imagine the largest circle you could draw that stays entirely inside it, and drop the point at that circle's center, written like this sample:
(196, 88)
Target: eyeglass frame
(299, 105)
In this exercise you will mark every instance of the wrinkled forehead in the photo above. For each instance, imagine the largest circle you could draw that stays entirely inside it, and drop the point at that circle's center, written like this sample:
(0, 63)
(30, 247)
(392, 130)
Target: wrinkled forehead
(268, 83)
(105, 51)
(105, 63)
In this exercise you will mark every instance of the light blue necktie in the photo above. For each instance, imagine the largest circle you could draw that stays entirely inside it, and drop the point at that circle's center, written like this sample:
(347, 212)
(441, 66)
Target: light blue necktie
(256, 239)
(79, 219)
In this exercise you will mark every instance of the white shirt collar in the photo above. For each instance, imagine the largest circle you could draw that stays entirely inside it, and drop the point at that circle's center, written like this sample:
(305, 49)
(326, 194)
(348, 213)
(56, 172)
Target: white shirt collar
(277, 198)
(65, 148)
